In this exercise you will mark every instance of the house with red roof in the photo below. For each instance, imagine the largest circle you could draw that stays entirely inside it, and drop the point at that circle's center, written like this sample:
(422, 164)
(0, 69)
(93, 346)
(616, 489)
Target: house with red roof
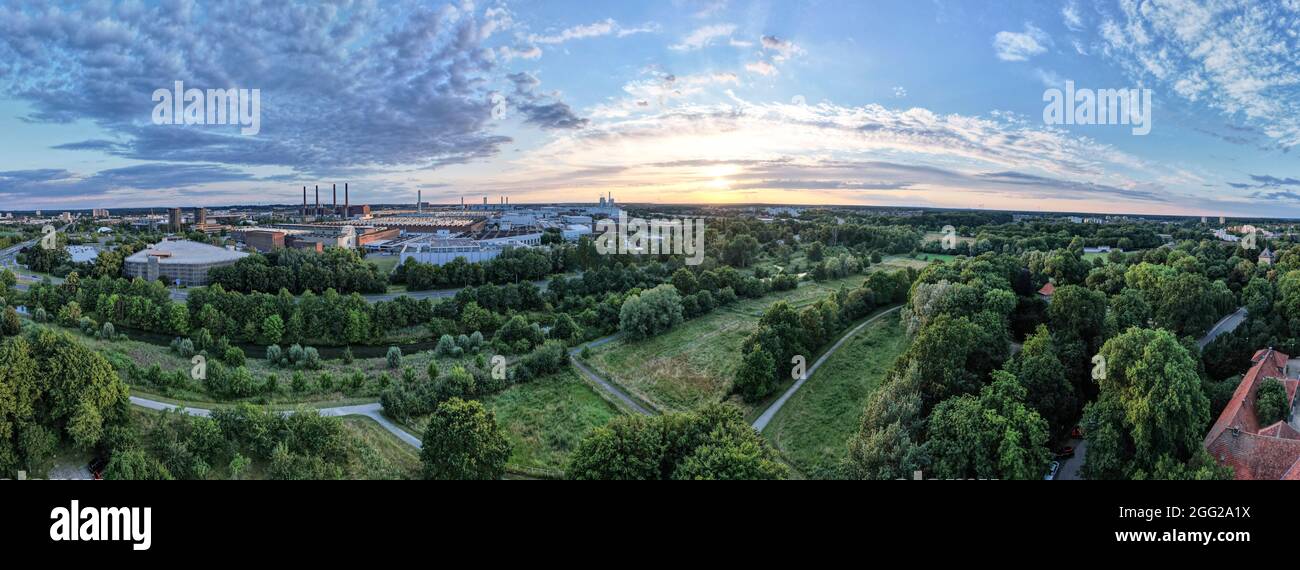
(1238, 441)
(1047, 291)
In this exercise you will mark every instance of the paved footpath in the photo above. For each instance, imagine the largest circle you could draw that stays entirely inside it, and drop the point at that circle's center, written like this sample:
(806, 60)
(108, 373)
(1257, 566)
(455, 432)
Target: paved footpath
(604, 384)
(771, 411)
(372, 411)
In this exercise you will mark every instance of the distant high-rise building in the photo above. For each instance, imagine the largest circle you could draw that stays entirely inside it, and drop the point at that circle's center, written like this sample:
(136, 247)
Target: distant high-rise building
(99, 213)
(174, 218)
(201, 216)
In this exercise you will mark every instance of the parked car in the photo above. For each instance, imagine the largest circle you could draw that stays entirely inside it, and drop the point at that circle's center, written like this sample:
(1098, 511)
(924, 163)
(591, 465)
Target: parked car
(1065, 453)
(1076, 433)
(1052, 471)
(97, 466)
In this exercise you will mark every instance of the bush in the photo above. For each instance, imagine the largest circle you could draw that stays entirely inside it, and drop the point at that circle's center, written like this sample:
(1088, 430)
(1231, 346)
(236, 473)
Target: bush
(445, 345)
(299, 382)
(274, 354)
(347, 355)
(108, 332)
(233, 356)
(311, 358)
(394, 357)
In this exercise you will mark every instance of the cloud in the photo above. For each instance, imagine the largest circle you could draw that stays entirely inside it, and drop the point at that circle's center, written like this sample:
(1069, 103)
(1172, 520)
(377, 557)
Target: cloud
(762, 68)
(1020, 46)
(391, 84)
(785, 49)
(593, 30)
(1235, 57)
(545, 111)
(703, 37)
(53, 185)
(1070, 13)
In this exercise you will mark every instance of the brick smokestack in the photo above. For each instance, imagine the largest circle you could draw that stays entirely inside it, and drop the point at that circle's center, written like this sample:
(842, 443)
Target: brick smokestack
(317, 213)
(347, 204)
(304, 202)
(334, 206)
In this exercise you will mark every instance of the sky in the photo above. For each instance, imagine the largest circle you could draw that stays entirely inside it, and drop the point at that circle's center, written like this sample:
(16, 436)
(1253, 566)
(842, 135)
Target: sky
(890, 103)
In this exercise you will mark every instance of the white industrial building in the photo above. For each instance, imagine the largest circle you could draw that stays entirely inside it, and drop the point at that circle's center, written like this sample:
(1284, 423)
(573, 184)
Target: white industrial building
(179, 261)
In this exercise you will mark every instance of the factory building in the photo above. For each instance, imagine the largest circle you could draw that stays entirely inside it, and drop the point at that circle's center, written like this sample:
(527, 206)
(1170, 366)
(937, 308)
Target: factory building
(179, 261)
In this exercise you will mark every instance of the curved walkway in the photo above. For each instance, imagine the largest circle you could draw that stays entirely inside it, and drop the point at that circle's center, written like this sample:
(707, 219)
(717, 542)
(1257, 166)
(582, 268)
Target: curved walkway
(372, 411)
(771, 411)
(604, 384)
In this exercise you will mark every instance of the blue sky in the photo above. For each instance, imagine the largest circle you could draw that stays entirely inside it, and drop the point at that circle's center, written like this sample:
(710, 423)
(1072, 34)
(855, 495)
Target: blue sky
(714, 101)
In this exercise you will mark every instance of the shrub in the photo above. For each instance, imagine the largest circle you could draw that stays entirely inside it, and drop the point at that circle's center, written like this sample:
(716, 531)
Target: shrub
(233, 356)
(108, 332)
(299, 382)
(394, 357)
(274, 354)
(445, 345)
(311, 358)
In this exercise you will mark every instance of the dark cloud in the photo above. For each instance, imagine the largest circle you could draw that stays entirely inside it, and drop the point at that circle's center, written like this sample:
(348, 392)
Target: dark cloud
(47, 184)
(545, 111)
(1064, 187)
(342, 84)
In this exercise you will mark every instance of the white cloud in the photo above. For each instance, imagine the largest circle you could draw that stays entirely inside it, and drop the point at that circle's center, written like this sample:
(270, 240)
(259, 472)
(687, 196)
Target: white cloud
(1070, 12)
(595, 29)
(762, 68)
(1235, 56)
(1020, 46)
(704, 36)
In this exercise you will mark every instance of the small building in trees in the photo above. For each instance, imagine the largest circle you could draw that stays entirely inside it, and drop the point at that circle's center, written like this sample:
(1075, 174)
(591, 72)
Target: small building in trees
(1237, 439)
(1267, 257)
(1047, 291)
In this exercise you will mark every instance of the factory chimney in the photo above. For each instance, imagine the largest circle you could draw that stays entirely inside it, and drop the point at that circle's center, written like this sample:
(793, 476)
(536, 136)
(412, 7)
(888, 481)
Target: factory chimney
(334, 206)
(304, 203)
(317, 212)
(347, 204)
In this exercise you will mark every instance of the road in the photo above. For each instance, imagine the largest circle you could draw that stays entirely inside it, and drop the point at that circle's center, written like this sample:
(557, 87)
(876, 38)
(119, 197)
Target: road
(372, 411)
(603, 383)
(771, 411)
(1070, 467)
(1225, 325)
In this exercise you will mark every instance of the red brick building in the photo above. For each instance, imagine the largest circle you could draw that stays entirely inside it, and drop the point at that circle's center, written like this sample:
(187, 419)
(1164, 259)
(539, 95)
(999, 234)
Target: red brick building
(1238, 441)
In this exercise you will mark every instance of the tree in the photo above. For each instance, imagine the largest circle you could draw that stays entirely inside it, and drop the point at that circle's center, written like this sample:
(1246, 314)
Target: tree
(135, 465)
(650, 313)
(272, 330)
(1047, 386)
(463, 441)
(11, 325)
(1077, 313)
(1271, 403)
(565, 328)
(394, 357)
(714, 442)
(1150, 406)
(992, 436)
(685, 282)
(741, 251)
(756, 378)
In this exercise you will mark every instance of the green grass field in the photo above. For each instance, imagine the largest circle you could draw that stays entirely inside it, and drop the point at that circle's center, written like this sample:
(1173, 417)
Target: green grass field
(544, 420)
(379, 454)
(694, 364)
(813, 429)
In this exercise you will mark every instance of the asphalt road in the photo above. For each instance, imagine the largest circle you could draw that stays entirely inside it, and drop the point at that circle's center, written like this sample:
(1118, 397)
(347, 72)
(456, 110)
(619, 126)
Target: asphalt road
(771, 411)
(372, 411)
(1225, 325)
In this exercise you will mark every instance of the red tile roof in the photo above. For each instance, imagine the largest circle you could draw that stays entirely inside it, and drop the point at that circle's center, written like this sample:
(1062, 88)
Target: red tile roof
(1047, 290)
(1237, 439)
